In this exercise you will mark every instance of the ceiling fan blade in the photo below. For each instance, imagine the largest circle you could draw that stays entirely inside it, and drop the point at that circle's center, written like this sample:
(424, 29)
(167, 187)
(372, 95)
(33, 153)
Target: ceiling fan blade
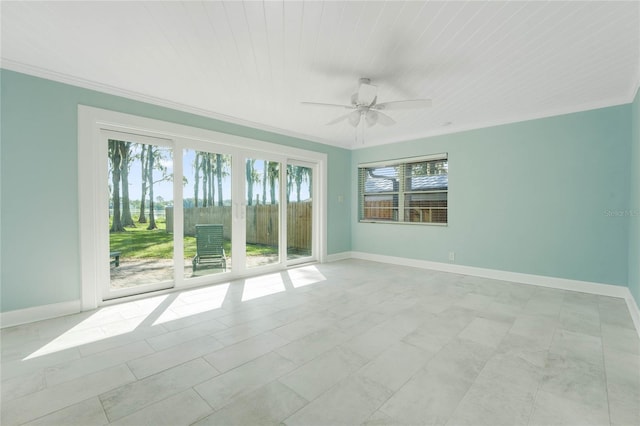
(354, 118)
(408, 104)
(328, 105)
(339, 119)
(384, 119)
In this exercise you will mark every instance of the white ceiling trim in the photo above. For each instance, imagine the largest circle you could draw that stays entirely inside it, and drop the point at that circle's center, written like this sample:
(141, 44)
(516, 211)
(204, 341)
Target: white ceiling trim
(445, 130)
(448, 130)
(252, 63)
(115, 91)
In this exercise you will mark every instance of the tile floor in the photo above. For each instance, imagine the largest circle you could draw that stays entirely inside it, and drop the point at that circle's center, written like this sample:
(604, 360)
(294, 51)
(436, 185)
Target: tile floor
(348, 342)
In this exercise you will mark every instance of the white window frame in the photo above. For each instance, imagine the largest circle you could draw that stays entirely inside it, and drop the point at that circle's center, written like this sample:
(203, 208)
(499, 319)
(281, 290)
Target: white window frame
(401, 192)
(92, 188)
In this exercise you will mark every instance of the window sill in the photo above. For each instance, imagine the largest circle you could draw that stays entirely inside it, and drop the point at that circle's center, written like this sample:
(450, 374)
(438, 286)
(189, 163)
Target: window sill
(403, 223)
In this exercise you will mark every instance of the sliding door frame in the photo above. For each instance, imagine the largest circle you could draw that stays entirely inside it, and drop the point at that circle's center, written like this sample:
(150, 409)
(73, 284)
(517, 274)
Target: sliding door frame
(103, 219)
(314, 218)
(93, 192)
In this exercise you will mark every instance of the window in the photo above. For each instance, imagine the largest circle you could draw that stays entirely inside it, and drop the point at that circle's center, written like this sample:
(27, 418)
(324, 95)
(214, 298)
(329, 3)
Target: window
(411, 190)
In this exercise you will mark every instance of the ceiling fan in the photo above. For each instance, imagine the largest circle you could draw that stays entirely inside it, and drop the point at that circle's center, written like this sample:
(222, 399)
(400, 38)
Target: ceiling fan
(365, 106)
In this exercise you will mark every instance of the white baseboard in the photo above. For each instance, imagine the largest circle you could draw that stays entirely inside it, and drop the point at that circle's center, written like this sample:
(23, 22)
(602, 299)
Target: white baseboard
(634, 310)
(517, 277)
(339, 256)
(38, 313)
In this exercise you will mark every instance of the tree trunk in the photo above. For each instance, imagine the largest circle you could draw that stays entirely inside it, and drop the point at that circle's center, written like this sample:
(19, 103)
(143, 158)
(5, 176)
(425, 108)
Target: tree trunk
(116, 160)
(205, 181)
(127, 220)
(264, 182)
(150, 159)
(219, 178)
(196, 178)
(289, 182)
(212, 191)
(143, 167)
(249, 176)
(273, 176)
(297, 178)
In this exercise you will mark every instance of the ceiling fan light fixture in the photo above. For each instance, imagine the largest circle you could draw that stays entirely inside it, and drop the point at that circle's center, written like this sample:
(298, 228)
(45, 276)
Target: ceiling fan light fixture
(364, 105)
(371, 117)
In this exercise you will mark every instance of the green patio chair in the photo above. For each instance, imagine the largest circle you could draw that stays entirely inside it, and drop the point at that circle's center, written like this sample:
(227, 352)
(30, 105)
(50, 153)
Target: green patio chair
(209, 246)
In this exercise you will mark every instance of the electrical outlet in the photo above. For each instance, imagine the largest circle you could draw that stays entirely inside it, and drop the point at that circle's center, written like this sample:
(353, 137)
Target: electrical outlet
(452, 256)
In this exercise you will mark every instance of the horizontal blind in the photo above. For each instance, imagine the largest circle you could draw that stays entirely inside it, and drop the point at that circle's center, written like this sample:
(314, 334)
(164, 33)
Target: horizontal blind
(404, 190)
(398, 161)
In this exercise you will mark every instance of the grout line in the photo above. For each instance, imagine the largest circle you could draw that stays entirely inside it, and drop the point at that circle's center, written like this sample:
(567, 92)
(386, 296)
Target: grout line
(320, 307)
(604, 366)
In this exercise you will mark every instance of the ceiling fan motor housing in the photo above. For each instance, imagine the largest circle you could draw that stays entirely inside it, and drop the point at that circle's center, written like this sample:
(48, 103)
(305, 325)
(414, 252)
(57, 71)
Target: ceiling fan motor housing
(366, 94)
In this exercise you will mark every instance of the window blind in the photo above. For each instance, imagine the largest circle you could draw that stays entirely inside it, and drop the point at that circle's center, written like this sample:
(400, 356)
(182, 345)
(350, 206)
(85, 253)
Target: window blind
(411, 190)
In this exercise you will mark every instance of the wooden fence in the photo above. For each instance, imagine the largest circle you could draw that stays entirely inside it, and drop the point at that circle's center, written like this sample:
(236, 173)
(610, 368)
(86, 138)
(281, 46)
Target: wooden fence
(262, 223)
(299, 226)
(424, 212)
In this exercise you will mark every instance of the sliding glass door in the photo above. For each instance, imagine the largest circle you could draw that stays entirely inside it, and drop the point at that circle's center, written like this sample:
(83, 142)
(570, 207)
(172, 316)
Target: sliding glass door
(140, 184)
(188, 212)
(207, 212)
(300, 218)
(262, 212)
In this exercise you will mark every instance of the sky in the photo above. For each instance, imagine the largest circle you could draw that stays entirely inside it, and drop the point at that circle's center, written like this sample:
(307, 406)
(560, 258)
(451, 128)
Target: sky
(164, 189)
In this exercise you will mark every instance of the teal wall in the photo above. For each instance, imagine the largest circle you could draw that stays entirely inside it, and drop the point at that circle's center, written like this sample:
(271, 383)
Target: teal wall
(39, 193)
(531, 197)
(535, 197)
(634, 205)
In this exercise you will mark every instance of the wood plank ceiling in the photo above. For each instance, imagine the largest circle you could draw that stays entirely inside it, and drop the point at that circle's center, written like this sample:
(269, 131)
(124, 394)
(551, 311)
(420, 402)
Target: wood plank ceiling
(249, 62)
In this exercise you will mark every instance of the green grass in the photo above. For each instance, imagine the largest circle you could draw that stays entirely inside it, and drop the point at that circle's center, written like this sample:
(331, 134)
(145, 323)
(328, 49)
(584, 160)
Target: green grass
(139, 243)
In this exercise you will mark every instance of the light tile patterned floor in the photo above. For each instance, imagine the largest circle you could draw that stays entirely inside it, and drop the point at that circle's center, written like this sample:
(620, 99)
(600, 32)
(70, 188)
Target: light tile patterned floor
(349, 342)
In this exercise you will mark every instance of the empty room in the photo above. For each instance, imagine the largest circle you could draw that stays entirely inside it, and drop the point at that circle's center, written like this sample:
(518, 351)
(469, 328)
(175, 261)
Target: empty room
(320, 213)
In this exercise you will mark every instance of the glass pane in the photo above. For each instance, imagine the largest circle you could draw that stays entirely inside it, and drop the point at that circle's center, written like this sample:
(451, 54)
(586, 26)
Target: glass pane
(380, 179)
(262, 212)
(426, 207)
(427, 176)
(299, 210)
(141, 192)
(207, 213)
(380, 207)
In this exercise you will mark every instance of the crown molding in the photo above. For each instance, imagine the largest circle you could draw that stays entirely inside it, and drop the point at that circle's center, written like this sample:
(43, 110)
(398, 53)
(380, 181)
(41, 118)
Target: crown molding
(46, 74)
(623, 100)
(136, 96)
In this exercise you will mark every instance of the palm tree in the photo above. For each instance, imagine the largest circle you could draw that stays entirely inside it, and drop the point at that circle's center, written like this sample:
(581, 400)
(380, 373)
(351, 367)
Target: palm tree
(143, 167)
(115, 158)
(274, 176)
(150, 161)
(264, 182)
(250, 175)
(125, 149)
(196, 178)
(219, 173)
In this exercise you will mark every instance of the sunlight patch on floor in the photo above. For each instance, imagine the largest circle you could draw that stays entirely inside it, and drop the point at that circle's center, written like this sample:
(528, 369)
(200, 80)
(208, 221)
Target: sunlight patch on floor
(304, 276)
(104, 323)
(262, 286)
(194, 302)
